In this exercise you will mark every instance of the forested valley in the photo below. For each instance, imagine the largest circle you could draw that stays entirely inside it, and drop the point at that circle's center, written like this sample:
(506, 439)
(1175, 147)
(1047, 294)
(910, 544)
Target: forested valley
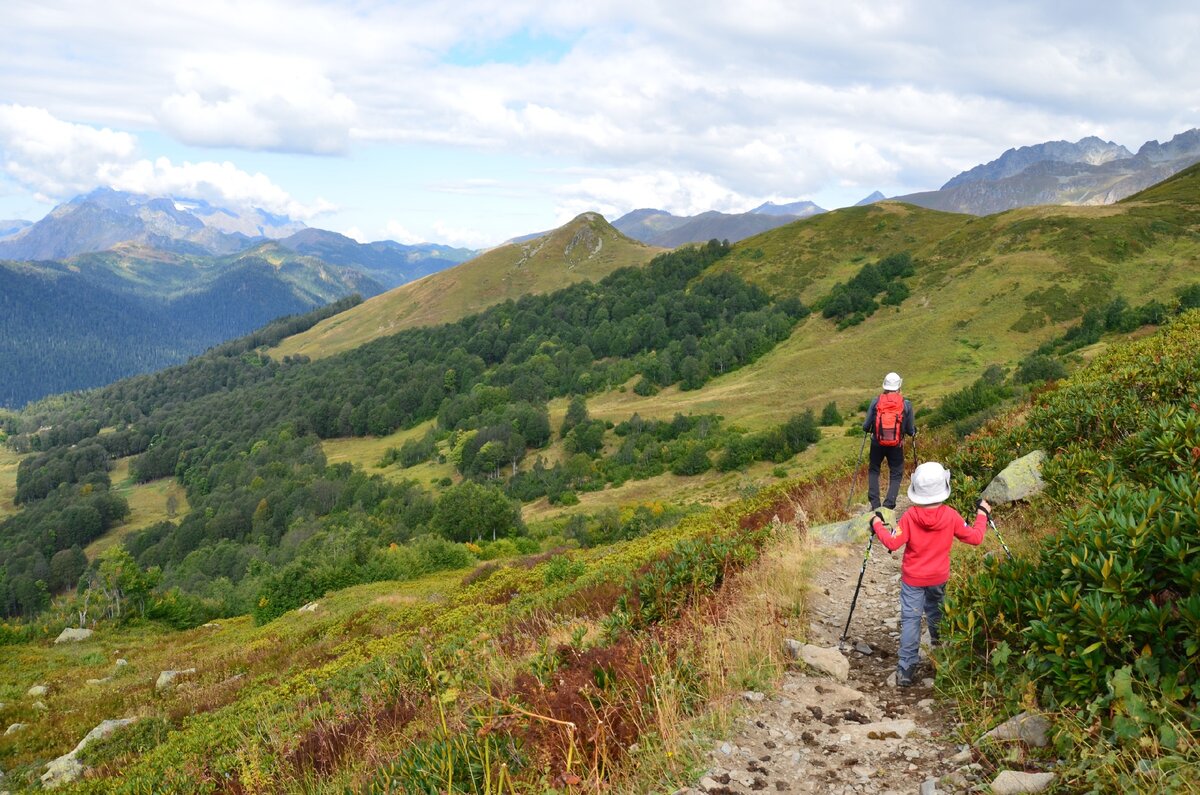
(272, 525)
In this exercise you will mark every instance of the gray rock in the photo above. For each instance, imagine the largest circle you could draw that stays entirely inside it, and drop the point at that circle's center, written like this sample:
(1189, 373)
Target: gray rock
(1027, 728)
(753, 696)
(726, 749)
(1018, 481)
(40, 706)
(121, 663)
(929, 786)
(14, 728)
(166, 679)
(955, 781)
(67, 768)
(829, 660)
(37, 691)
(862, 647)
(311, 607)
(73, 635)
(61, 771)
(1012, 782)
(103, 681)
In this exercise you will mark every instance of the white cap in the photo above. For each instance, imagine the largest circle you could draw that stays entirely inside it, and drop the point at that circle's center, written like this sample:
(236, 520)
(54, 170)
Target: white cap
(891, 382)
(930, 484)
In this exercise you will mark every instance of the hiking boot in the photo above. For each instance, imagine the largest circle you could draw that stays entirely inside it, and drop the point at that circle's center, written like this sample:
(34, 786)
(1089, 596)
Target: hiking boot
(904, 676)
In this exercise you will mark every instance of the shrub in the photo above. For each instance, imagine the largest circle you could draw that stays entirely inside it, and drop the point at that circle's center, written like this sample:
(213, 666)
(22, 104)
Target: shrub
(1039, 367)
(830, 414)
(1106, 617)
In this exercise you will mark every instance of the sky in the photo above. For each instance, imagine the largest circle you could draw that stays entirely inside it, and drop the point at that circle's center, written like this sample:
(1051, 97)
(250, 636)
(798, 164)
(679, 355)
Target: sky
(471, 122)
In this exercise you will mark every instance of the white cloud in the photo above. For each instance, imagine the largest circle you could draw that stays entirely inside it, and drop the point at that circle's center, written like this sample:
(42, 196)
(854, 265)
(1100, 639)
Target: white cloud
(55, 158)
(613, 196)
(455, 235)
(220, 183)
(732, 101)
(59, 159)
(394, 230)
(258, 102)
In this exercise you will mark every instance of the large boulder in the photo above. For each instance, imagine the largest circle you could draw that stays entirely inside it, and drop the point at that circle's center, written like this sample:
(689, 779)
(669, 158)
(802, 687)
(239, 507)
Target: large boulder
(1018, 481)
(831, 661)
(166, 679)
(37, 691)
(73, 635)
(853, 530)
(67, 768)
(1012, 782)
(1029, 728)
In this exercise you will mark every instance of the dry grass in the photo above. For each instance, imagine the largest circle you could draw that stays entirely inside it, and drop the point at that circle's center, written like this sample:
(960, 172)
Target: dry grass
(734, 643)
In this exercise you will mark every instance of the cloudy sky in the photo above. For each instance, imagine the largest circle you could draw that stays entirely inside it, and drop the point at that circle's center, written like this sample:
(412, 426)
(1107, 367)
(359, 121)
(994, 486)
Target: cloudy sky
(474, 121)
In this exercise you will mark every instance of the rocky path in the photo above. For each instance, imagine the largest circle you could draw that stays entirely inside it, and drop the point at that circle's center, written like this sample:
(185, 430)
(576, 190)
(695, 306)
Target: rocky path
(818, 734)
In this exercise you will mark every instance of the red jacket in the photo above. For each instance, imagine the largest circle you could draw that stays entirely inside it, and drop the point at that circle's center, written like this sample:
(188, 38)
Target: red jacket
(929, 531)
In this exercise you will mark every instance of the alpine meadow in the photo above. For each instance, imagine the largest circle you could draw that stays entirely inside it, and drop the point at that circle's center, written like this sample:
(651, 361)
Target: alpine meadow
(553, 520)
(594, 510)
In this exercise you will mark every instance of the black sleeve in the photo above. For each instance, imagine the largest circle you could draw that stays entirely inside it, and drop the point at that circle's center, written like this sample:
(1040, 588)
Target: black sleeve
(910, 423)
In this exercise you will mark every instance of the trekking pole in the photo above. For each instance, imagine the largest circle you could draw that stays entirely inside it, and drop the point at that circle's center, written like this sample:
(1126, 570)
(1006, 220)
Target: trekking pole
(916, 452)
(857, 588)
(995, 529)
(857, 464)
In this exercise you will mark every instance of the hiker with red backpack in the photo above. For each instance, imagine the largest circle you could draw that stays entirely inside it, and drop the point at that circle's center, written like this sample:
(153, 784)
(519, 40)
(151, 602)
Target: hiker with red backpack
(889, 420)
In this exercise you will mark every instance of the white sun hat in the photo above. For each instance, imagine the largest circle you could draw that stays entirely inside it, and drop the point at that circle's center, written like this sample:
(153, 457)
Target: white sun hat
(891, 382)
(930, 484)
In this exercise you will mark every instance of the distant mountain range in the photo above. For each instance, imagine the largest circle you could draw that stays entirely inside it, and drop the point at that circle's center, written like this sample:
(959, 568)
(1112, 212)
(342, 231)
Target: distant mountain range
(661, 228)
(112, 284)
(1089, 171)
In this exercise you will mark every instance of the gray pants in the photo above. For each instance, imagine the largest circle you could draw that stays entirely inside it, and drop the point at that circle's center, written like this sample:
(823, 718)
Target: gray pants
(915, 600)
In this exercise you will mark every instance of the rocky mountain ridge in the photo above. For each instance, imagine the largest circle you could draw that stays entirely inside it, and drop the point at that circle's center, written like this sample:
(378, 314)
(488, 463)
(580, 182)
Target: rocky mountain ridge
(1088, 171)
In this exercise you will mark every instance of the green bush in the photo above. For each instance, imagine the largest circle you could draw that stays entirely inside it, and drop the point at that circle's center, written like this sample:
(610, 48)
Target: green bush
(830, 414)
(1039, 367)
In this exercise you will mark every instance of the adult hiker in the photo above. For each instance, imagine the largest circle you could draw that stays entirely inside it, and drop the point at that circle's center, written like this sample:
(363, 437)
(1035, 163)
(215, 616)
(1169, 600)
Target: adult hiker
(889, 420)
(926, 531)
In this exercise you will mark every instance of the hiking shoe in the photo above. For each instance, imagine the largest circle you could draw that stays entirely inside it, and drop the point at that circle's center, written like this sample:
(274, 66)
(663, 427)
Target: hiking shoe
(904, 676)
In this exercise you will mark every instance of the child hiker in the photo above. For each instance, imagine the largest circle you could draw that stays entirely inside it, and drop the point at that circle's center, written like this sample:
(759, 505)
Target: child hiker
(926, 531)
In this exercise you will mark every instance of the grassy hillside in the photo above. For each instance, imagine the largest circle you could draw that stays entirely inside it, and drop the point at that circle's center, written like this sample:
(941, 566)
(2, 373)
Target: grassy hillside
(8, 480)
(157, 501)
(586, 248)
(449, 675)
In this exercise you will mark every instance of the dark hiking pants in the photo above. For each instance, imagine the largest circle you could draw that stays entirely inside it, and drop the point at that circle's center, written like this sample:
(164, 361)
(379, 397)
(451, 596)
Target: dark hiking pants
(895, 460)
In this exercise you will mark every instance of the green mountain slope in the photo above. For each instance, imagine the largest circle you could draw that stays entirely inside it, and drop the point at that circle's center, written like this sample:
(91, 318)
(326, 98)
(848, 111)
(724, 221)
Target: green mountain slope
(273, 522)
(587, 248)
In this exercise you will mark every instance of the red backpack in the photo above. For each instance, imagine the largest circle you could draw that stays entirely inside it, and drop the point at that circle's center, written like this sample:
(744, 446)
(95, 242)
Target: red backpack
(889, 419)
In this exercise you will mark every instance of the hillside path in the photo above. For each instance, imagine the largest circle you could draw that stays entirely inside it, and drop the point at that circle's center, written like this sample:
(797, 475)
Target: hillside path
(817, 735)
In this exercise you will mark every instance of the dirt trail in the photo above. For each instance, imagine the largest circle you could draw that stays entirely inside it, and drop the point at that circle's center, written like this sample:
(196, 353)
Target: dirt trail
(815, 734)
